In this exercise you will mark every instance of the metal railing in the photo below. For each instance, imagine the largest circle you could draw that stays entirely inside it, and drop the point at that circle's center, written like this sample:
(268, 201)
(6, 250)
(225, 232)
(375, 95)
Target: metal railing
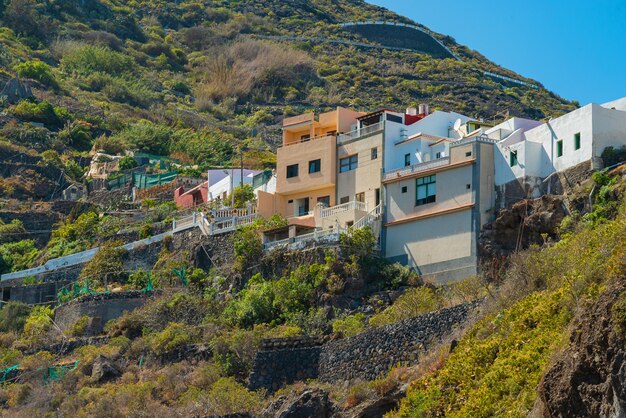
(357, 133)
(416, 168)
(344, 207)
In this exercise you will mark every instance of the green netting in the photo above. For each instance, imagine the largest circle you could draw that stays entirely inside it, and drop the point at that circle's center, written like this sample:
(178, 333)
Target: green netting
(146, 181)
(149, 287)
(181, 273)
(119, 181)
(54, 373)
(7, 372)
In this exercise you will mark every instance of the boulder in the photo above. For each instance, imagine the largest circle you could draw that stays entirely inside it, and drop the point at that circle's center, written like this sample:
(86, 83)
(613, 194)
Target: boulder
(310, 403)
(104, 369)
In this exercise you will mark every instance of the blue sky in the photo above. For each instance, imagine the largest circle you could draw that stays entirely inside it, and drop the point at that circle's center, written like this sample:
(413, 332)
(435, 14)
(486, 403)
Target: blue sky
(575, 48)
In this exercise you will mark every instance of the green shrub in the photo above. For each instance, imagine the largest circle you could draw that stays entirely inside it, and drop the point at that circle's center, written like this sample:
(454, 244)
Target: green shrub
(349, 326)
(13, 316)
(37, 325)
(412, 303)
(42, 112)
(107, 265)
(226, 396)
(17, 256)
(89, 59)
(127, 162)
(78, 328)
(174, 336)
(36, 70)
(146, 136)
(145, 231)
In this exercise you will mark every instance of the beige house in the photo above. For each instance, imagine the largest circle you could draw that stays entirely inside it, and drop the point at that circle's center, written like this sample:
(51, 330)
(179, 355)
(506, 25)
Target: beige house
(435, 210)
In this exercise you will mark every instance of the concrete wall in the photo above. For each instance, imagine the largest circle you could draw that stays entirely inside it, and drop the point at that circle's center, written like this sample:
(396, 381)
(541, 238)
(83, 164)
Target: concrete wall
(323, 149)
(366, 178)
(441, 247)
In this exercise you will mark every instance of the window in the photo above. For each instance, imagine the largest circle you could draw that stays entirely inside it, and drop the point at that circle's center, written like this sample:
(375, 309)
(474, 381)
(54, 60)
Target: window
(407, 160)
(344, 199)
(377, 197)
(404, 189)
(315, 166)
(305, 138)
(324, 200)
(292, 171)
(426, 190)
(468, 186)
(374, 153)
(348, 163)
(439, 155)
(394, 118)
(468, 154)
(513, 158)
(559, 148)
(360, 197)
(577, 141)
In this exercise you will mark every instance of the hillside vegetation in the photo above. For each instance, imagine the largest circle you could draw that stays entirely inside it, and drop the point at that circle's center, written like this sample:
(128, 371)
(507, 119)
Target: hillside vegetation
(198, 80)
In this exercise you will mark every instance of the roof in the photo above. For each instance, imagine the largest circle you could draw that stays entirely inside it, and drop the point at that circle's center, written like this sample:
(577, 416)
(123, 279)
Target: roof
(427, 137)
(195, 189)
(377, 112)
(286, 228)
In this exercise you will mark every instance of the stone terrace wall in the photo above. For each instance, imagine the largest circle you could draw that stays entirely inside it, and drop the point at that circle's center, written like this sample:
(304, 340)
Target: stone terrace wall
(365, 356)
(284, 361)
(102, 308)
(368, 355)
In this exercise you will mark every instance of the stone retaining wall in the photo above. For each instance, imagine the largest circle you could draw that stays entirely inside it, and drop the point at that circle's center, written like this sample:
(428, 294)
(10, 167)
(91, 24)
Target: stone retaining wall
(101, 308)
(365, 356)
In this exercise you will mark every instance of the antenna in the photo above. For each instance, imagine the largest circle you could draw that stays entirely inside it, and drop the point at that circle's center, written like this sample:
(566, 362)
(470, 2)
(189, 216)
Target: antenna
(457, 124)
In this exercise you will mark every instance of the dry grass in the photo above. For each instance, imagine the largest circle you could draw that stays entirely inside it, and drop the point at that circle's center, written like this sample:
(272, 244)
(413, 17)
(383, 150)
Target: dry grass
(234, 71)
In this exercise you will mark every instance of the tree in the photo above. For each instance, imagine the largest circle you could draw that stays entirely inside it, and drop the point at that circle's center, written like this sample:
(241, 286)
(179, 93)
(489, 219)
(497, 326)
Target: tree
(127, 163)
(243, 195)
(107, 265)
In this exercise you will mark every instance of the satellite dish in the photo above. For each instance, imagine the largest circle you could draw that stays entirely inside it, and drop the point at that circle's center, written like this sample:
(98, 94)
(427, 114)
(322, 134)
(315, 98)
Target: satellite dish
(457, 124)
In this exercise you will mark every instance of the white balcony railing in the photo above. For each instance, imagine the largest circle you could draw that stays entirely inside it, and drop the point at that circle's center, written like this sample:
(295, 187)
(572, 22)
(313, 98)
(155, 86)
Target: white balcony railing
(478, 138)
(357, 133)
(368, 219)
(344, 207)
(301, 241)
(416, 168)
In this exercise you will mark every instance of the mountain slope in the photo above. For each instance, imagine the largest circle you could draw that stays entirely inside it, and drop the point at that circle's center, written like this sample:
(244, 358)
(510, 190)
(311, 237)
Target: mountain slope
(208, 74)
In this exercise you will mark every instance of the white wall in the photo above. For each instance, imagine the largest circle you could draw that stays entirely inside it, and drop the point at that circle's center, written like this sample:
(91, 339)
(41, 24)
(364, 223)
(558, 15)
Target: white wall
(437, 123)
(218, 189)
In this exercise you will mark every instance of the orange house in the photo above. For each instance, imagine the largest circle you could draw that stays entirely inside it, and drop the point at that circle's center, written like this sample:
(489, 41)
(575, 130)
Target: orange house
(306, 165)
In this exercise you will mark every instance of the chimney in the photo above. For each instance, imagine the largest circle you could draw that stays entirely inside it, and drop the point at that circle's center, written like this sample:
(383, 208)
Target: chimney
(424, 109)
(411, 111)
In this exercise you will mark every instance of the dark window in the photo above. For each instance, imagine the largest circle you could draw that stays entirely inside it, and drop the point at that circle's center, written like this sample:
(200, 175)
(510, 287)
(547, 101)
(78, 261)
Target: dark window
(426, 190)
(344, 199)
(468, 154)
(577, 141)
(324, 199)
(360, 197)
(374, 153)
(394, 118)
(559, 148)
(303, 207)
(513, 158)
(439, 155)
(292, 171)
(348, 163)
(407, 160)
(315, 166)
(305, 138)
(468, 186)
(290, 201)
(404, 189)
(377, 197)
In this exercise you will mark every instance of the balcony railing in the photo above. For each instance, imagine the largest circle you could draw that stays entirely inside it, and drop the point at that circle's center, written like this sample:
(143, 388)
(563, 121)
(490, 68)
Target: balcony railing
(300, 141)
(301, 241)
(478, 138)
(357, 133)
(344, 207)
(416, 168)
